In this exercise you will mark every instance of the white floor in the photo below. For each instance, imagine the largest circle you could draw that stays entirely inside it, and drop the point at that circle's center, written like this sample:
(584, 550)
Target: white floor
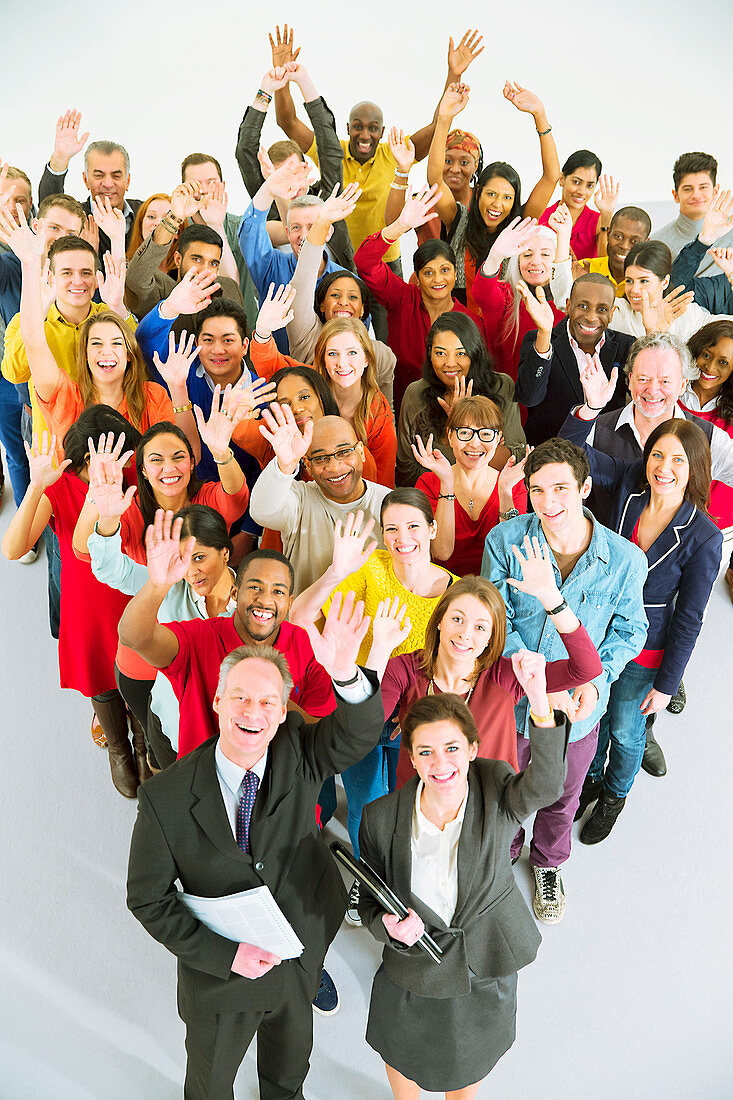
(629, 996)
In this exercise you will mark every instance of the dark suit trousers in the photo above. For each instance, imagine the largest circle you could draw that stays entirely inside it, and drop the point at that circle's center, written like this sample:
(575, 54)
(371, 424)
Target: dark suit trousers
(216, 1044)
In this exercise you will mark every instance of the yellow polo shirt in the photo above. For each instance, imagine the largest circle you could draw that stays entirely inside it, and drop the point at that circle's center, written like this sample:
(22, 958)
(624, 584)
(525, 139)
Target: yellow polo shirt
(374, 178)
(62, 339)
(598, 265)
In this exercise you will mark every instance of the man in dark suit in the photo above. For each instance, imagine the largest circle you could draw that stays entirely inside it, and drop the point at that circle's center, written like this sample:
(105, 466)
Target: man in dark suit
(106, 175)
(237, 813)
(548, 380)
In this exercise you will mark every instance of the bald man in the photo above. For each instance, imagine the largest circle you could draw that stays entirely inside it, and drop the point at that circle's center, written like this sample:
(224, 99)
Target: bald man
(305, 512)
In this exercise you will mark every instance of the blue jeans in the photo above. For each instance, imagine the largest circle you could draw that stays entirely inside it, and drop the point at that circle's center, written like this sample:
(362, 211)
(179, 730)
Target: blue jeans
(372, 777)
(622, 735)
(12, 439)
(53, 558)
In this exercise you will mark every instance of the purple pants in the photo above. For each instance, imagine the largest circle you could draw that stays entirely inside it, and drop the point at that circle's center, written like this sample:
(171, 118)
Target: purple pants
(550, 844)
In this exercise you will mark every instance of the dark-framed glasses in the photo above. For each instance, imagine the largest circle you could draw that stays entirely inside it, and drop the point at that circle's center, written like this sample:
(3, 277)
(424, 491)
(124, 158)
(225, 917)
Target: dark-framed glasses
(486, 435)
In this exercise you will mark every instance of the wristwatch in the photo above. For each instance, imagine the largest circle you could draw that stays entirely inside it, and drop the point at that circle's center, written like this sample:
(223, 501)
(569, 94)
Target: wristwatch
(512, 513)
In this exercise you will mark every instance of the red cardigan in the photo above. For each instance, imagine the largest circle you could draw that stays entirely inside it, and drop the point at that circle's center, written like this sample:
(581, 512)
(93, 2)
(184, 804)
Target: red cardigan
(407, 318)
(496, 299)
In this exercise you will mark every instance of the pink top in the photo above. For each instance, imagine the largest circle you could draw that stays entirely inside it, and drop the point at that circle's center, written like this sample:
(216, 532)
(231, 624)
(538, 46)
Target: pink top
(721, 495)
(583, 236)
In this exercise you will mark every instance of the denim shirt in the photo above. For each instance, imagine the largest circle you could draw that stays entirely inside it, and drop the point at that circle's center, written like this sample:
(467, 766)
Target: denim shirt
(605, 590)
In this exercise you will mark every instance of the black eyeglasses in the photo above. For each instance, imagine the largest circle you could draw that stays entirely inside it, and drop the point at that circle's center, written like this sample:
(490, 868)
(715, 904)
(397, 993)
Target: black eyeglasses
(486, 435)
(340, 455)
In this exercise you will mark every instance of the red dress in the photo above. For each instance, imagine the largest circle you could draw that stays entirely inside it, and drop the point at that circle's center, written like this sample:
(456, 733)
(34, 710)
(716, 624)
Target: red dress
(468, 550)
(90, 611)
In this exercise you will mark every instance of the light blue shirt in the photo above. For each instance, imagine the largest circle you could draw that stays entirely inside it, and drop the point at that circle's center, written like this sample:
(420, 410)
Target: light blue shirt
(230, 776)
(605, 590)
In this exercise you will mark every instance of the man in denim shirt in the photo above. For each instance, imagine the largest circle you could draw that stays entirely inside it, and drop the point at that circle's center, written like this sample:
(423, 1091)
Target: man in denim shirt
(601, 576)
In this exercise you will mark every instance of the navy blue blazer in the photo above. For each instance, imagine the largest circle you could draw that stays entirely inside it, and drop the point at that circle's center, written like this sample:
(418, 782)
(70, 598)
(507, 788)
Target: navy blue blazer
(683, 560)
(550, 388)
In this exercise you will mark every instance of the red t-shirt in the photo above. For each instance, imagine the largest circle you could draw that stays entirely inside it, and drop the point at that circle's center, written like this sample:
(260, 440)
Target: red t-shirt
(648, 658)
(721, 495)
(471, 533)
(194, 673)
(583, 236)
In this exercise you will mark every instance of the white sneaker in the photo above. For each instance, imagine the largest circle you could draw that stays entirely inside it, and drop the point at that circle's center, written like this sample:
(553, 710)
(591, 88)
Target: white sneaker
(30, 557)
(352, 910)
(549, 898)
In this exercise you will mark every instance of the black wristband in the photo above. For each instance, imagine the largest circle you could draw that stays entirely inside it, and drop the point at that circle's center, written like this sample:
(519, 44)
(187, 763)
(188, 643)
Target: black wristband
(556, 610)
(346, 683)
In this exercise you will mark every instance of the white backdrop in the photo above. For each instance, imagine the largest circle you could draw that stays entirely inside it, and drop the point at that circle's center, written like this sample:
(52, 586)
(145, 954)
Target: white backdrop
(638, 83)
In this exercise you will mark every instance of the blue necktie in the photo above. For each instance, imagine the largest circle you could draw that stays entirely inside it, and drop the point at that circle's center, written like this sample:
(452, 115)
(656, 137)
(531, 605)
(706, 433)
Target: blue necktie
(250, 783)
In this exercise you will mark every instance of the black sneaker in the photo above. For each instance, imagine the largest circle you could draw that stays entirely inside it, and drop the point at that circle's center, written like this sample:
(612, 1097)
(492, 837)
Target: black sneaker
(352, 909)
(677, 703)
(326, 1000)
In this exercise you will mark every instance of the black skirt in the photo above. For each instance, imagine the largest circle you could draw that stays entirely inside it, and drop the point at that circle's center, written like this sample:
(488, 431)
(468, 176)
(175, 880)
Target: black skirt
(443, 1043)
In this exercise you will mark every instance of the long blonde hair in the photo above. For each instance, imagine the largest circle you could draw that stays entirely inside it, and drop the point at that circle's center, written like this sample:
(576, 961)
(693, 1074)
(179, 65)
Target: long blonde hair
(369, 388)
(134, 382)
(510, 329)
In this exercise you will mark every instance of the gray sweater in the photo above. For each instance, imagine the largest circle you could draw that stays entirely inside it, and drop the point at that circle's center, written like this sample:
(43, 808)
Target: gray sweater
(681, 231)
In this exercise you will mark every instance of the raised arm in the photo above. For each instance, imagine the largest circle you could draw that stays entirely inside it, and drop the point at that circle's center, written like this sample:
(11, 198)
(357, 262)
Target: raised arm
(388, 287)
(248, 139)
(605, 199)
(35, 510)
(28, 247)
(107, 499)
(403, 151)
(444, 504)
(350, 551)
(68, 141)
(287, 119)
(459, 58)
(541, 193)
(454, 99)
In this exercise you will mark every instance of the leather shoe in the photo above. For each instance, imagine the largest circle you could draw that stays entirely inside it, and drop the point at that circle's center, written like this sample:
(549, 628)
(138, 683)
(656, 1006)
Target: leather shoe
(653, 761)
(603, 818)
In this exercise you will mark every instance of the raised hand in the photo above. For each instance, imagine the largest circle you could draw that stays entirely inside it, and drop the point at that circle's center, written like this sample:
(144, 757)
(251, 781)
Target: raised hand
(186, 200)
(284, 436)
(401, 148)
(432, 459)
(226, 412)
(282, 47)
(657, 315)
(5, 187)
(275, 311)
(391, 626)
(40, 460)
(90, 233)
(598, 388)
(18, 235)
(529, 669)
(213, 206)
(538, 573)
(561, 220)
(350, 548)
(109, 219)
(106, 469)
(418, 208)
(112, 283)
(580, 267)
(246, 397)
(522, 98)
(337, 207)
(338, 646)
(461, 389)
(467, 50)
(514, 238)
(289, 180)
(723, 258)
(67, 141)
(537, 306)
(192, 294)
(48, 292)
(277, 78)
(606, 197)
(718, 219)
(168, 559)
(455, 98)
(174, 370)
(512, 472)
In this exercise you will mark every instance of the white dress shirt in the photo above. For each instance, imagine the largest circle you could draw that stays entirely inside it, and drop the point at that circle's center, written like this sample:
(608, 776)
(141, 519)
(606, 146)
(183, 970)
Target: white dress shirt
(230, 776)
(434, 877)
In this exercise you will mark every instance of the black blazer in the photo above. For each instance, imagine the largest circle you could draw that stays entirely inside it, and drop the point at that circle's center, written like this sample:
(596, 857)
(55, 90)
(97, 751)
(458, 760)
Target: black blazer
(52, 184)
(493, 932)
(550, 388)
(183, 832)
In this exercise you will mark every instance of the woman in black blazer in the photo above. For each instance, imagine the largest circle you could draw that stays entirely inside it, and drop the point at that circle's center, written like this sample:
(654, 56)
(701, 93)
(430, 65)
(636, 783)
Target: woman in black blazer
(660, 503)
(442, 844)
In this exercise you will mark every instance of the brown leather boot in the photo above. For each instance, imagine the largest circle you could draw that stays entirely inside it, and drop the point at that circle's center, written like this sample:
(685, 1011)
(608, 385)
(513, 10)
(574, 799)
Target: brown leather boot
(111, 711)
(139, 749)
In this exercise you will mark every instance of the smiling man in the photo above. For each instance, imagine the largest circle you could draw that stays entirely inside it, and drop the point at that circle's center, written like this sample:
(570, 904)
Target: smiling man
(600, 575)
(550, 360)
(237, 814)
(629, 226)
(306, 512)
(694, 176)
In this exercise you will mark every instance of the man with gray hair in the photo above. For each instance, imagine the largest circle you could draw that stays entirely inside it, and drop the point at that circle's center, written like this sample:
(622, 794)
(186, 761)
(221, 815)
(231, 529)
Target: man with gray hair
(239, 813)
(659, 369)
(266, 263)
(106, 174)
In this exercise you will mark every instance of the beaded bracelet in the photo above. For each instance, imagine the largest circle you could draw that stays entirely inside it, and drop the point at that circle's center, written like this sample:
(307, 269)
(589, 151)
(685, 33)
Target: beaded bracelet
(264, 95)
(398, 186)
(543, 133)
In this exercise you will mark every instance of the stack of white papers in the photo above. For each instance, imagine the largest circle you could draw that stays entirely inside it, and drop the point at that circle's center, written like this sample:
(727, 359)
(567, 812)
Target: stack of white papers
(252, 916)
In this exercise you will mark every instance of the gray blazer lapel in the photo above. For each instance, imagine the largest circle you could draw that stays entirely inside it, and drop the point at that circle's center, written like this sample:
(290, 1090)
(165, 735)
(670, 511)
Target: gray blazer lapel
(208, 809)
(469, 843)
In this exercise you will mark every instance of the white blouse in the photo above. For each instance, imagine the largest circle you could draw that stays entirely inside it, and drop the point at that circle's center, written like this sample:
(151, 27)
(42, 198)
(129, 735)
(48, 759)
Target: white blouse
(434, 877)
(625, 319)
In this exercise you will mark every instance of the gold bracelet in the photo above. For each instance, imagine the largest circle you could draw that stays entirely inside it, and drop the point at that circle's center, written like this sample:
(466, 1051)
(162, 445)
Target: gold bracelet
(398, 186)
(225, 461)
(537, 718)
(183, 408)
(176, 220)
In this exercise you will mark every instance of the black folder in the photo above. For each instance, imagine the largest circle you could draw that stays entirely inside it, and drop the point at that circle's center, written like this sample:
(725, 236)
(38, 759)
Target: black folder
(366, 876)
